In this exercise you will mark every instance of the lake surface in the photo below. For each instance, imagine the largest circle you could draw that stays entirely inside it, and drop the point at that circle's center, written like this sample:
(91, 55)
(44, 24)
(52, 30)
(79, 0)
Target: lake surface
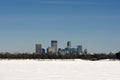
(59, 70)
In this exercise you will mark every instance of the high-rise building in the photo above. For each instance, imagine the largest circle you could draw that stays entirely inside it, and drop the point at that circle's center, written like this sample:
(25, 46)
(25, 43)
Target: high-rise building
(59, 50)
(68, 48)
(50, 50)
(73, 50)
(54, 45)
(68, 44)
(43, 51)
(38, 48)
(79, 49)
(85, 51)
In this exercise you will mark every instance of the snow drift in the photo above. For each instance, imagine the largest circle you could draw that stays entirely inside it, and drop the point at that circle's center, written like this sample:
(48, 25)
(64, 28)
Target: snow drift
(59, 70)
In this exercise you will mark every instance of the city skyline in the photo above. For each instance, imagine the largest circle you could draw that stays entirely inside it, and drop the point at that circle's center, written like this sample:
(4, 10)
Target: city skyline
(95, 24)
(55, 49)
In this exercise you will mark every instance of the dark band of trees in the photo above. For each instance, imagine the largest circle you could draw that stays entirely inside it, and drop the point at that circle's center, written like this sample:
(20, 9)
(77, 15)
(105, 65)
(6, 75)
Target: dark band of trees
(58, 56)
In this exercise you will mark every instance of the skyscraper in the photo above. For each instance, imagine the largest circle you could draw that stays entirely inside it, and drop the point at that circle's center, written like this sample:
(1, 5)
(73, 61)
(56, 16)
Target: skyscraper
(85, 51)
(54, 45)
(68, 44)
(50, 50)
(38, 48)
(79, 49)
(68, 49)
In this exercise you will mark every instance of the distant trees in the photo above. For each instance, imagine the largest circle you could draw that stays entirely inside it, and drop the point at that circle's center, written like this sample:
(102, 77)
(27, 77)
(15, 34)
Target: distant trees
(117, 55)
(85, 56)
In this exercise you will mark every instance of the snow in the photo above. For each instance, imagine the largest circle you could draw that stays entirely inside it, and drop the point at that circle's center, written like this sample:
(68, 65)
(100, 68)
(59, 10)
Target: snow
(59, 70)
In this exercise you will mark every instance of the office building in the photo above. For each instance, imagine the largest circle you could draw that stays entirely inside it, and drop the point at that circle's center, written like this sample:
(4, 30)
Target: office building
(50, 50)
(79, 49)
(85, 51)
(68, 44)
(43, 51)
(59, 50)
(67, 50)
(38, 48)
(54, 45)
(73, 50)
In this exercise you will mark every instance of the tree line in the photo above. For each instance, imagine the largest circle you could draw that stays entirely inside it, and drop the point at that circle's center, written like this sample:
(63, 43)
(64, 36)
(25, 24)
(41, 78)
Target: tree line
(92, 57)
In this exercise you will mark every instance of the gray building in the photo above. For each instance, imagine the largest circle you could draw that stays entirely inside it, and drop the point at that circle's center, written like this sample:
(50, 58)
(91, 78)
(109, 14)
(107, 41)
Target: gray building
(38, 48)
(50, 50)
(54, 45)
(85, 51)
(68, 44)
(79, 49)
(73, 50)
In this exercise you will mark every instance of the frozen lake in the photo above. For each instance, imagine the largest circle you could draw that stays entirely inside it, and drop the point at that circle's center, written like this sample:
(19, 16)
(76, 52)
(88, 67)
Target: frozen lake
(59, 70)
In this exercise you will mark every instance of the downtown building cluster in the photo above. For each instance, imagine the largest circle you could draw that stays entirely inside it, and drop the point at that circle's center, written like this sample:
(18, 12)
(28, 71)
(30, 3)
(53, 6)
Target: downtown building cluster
(55, 50)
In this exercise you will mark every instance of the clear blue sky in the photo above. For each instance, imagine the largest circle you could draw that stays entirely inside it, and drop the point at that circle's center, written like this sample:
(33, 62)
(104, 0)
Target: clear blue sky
(95, 24)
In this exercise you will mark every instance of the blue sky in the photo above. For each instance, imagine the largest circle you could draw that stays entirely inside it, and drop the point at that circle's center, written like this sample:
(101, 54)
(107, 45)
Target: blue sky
(95, 24)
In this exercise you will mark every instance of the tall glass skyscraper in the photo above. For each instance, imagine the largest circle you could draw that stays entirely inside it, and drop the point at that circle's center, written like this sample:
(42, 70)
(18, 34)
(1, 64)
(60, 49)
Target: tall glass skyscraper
(79, 49)
(38, 48)
(54, 45)
(68, 44)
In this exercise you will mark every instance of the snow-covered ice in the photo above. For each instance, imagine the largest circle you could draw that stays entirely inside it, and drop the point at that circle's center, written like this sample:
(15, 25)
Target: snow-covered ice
(59, 70)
